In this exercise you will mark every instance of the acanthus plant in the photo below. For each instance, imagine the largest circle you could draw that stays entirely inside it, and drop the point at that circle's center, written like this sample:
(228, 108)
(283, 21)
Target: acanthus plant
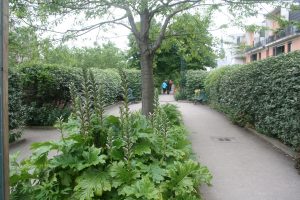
(109, 157)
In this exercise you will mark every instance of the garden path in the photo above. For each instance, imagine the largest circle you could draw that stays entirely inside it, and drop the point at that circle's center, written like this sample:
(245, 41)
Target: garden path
(245, 168)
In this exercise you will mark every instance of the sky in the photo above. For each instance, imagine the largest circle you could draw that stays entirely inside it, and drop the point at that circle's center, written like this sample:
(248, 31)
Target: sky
(119, 34)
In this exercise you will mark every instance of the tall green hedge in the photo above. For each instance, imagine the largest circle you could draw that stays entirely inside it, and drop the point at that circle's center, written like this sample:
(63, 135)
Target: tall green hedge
(194, 80)
(17, 110)
(264, 94)
(45, 89)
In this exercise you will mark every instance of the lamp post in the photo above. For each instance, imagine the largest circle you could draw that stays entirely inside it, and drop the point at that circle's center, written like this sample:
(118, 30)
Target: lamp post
(4, 152)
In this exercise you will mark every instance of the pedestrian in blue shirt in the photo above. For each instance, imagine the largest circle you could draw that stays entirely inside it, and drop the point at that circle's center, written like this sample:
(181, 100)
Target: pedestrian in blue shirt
(164, 86)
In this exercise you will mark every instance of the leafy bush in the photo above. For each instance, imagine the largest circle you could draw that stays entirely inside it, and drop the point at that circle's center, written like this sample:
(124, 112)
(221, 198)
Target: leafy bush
(264, 94)
(135, 82)
(173, 114)
(46, 89)
(17, 111)
(180, 95)
(109, 157)
(194, 80)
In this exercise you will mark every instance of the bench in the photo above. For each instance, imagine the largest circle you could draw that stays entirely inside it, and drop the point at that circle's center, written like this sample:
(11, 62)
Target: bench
(200, 97)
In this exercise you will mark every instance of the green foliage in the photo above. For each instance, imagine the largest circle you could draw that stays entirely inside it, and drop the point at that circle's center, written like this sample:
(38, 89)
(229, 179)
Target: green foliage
(134, 82)
(44, 90)
(126, 157)
(173, 114)
(99, 57)
(180, 95)
(262, 94)
(194, 80)
(187, 38)
(17, 111)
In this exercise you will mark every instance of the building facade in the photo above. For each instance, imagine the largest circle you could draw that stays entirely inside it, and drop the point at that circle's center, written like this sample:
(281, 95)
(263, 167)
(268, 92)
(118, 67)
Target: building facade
(274, 40)
(233, 54)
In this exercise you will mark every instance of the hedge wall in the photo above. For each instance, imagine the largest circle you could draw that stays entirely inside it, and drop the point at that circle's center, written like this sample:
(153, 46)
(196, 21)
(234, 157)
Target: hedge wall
(264, 94)
(194, 80)
(17, 110)
(45, 89)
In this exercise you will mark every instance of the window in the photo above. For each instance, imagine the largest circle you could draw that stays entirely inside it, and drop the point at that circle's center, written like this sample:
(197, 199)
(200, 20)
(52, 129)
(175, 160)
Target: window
(279, 50)
(254, 57)
(267, 53)
(289, 46)
(259, 56)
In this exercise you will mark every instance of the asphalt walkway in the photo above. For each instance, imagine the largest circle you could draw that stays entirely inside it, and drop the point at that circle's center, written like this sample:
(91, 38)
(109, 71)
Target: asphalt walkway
(244, 167)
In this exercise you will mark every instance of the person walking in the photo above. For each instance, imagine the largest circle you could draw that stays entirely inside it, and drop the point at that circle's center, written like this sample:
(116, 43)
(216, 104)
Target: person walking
(170, 83)
(164, 86)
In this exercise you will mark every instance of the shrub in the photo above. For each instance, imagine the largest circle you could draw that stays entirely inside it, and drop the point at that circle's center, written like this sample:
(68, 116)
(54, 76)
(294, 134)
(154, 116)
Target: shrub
(180, 95)
(135, 82)
(46, 89)
(194, 80)
(110, 80)
(46, 92)
(264, 94)
(126, 157)
(17, 111)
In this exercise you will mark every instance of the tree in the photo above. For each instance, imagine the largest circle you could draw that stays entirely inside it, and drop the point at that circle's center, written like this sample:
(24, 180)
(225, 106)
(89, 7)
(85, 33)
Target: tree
(105, 56)
(187, 38)
(129, 11)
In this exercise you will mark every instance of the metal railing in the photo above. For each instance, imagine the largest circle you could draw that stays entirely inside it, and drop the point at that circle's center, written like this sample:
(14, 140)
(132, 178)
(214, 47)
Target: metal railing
(290, 30)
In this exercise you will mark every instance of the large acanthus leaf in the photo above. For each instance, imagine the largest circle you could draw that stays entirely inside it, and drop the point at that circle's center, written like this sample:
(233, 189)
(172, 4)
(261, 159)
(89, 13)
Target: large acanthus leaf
(122, 175)
(79, 160)
(182, 177)
(142, 148)
(142, 189)
(156, 172)
(90, 184)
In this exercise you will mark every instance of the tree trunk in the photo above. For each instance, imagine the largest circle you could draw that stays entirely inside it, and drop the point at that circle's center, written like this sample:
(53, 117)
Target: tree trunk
(147, 83)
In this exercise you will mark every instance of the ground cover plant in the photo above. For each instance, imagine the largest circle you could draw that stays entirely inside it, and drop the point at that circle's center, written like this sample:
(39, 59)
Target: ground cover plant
(109, 157)
(263, 95)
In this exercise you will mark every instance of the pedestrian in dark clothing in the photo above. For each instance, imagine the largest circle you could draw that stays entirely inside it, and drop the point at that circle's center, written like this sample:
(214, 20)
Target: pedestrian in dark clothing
(170, 86)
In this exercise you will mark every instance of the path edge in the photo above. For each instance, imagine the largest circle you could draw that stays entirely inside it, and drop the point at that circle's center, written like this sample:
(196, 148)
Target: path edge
(276, 143)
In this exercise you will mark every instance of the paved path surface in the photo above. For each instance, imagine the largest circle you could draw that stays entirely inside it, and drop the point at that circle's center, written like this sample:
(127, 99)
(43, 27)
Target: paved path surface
(245, 168)
(32, 135)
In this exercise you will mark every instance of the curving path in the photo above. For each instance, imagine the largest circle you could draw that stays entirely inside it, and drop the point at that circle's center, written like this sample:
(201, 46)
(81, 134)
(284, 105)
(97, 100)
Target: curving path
(244, 166)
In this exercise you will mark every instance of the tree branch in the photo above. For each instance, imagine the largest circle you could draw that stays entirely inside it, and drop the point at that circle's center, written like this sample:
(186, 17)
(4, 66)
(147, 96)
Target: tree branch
(159, 39)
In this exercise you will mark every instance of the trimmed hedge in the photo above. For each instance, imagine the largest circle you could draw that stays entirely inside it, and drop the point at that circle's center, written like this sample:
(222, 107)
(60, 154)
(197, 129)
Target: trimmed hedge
(45, 89)
(135, 82)
(46, 92)
(17, 111)
(264, 94)
(194, 80)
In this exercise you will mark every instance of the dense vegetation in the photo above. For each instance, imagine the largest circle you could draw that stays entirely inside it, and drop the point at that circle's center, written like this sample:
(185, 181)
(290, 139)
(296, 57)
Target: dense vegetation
(108, 157)
(194, 80)
(264, 95)
(192, 44)
(39, 93)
